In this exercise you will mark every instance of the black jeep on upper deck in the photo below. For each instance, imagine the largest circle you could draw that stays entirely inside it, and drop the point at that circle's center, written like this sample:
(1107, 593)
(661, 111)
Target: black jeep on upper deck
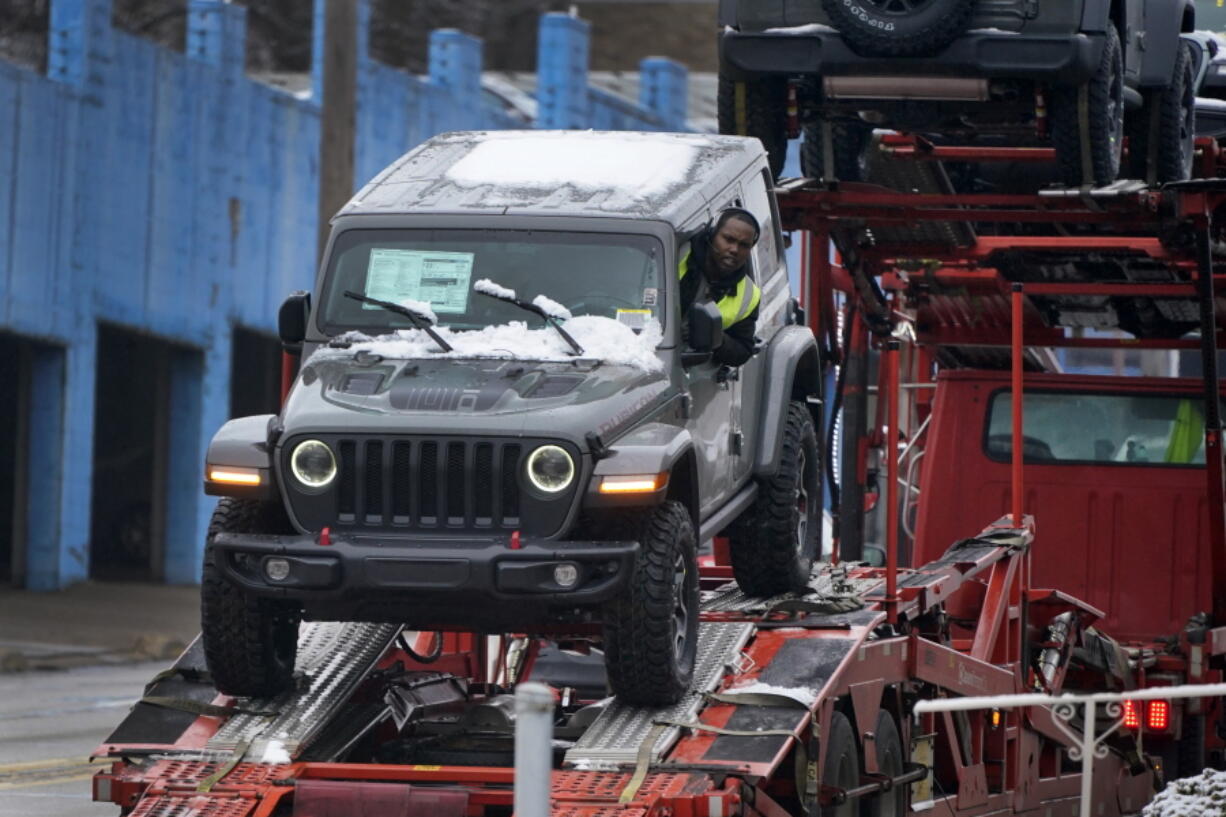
(1075, 74)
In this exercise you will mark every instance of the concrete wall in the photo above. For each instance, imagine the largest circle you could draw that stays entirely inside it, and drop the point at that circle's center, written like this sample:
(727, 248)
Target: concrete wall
(172, 195)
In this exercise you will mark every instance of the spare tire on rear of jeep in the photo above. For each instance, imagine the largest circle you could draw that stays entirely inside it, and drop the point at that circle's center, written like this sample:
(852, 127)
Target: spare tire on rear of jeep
(899, 28)
(756, 107)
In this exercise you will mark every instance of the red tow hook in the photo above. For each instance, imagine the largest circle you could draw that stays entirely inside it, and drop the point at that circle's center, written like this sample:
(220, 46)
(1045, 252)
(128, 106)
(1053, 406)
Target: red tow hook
(514, 543)
(325, 537)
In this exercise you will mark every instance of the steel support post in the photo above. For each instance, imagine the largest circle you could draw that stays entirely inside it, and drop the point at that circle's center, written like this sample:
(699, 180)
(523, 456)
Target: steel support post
(1018, 452)
(891, 363)
(533, 749)
(1213, 419)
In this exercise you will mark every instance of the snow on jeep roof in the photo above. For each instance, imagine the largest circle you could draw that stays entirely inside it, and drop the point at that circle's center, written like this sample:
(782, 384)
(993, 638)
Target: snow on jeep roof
(609, 173)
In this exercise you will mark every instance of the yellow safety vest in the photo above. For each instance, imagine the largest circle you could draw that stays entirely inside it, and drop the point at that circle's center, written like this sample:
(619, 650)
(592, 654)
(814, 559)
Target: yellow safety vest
(736, 305)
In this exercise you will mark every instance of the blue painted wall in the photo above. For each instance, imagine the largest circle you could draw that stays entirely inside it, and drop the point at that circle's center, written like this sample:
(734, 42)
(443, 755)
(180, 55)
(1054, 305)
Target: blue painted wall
(170, 194)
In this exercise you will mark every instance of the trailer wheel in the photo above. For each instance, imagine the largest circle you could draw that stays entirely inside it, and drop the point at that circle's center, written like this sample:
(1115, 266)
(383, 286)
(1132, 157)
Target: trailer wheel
(1105, 118)
(774, 543)
(249, 643)
(1169, 116)
(892, 803)
(841, 770)
(651, 629)
(756, 107)
(899, 28)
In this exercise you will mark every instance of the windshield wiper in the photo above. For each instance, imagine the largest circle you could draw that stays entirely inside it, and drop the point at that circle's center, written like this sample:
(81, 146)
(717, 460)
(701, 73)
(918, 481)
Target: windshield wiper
(536, 310)
(419, 320)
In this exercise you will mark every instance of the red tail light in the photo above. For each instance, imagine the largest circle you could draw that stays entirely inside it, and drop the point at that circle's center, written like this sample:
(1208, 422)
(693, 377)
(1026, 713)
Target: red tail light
(1132, 715)
(1158, 715)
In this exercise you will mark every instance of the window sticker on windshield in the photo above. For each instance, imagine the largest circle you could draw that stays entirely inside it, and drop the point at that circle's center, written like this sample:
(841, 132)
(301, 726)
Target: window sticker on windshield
(438, 278)
(634, 318)
(649, 296)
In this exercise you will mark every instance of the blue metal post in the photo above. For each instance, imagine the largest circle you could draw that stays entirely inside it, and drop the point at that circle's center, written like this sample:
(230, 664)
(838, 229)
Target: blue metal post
(217, 34)
(455, 65)
(317, 52)
(79, 41)
(47, 564)
(662, 90)
(561, 72)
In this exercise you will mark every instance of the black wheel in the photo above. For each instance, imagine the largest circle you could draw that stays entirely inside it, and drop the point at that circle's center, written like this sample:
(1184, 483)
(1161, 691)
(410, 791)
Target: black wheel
(249, 643)
(1162, 136)
(774, 543)
(841, 769)
(849, 143)
(1186, 756)
(899, 28)
(756, 107)
(1104, 98)
(892, 803)
(651, 629)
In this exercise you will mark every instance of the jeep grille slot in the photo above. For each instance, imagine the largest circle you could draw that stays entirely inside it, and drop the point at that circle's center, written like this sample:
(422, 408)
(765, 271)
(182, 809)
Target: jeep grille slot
(346, 500)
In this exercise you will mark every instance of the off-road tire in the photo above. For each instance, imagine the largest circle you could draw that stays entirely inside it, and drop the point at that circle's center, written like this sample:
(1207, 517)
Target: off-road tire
(759, 111)
(768, 556)
(850, 142)
(1169, 115)
(1105, 113)
(249, 643)
(899, 28)
(645, 663)
(892, 803)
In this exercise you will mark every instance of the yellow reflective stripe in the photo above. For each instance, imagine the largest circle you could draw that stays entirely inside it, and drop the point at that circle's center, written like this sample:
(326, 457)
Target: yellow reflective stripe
(736, 306)
(683, 267)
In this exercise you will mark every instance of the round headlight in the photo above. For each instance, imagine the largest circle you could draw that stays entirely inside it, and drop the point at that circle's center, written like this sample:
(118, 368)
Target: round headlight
(313, 464)
(550, 469)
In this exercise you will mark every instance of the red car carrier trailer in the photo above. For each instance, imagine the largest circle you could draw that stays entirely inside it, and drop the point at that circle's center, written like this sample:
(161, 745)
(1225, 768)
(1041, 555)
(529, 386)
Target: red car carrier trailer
(804, 704)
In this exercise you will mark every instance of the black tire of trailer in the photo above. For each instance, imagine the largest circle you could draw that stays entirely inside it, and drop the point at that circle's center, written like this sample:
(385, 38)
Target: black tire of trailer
(756, 107)
(774, 543)
(1105, 116)
(874, 28)
(1187, 753)
(841, 768)
(250, 644)
(1162, 135)
(651, 628)
(850, 141)
(892, 803)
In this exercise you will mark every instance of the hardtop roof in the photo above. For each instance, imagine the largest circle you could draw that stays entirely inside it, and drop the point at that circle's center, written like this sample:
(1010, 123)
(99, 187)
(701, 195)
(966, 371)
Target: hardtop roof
(614, 174)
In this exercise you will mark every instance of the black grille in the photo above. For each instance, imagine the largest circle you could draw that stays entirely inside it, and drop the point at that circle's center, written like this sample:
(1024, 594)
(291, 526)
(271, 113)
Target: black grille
(429, 483)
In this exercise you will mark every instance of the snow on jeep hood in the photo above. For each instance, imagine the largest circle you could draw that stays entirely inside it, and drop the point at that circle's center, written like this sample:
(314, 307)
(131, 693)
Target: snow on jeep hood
(602, 339)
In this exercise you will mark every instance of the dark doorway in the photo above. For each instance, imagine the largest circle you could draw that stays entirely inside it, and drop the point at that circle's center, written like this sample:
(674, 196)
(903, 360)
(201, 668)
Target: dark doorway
(130, 434)
(255, 374)
(15, 374)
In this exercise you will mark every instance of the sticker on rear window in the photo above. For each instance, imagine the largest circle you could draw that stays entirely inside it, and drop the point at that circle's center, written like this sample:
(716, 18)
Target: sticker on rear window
(438, 278)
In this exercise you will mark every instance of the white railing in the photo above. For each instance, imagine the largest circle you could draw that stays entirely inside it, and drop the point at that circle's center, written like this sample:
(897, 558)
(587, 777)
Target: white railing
(1088, 745)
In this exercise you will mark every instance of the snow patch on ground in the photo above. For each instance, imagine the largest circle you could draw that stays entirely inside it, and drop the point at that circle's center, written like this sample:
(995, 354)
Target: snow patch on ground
(601, 338)
(632, 165)
(551, 307)
(490, 288)
(1201, 796)
(799, 694)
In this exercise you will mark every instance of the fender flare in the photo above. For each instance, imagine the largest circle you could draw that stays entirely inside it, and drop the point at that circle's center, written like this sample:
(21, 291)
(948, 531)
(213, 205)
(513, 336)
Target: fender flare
(793, 370)
(1164, 21)
(242, 443)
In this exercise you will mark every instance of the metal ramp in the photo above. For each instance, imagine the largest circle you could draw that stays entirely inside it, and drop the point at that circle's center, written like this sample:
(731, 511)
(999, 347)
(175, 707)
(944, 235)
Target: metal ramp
(334, 657)
(617, 734)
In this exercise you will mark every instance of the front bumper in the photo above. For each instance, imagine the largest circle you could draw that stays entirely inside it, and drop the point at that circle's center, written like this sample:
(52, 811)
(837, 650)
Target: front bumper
(984, 54)
(352, 569)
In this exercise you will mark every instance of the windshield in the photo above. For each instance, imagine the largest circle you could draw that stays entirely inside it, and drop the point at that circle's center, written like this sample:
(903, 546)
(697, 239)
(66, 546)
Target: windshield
(601, 274)
(1133, 429)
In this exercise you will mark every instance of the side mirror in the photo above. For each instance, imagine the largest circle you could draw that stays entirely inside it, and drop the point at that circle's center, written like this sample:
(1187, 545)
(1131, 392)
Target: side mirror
(706, 333)
(292, 321)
